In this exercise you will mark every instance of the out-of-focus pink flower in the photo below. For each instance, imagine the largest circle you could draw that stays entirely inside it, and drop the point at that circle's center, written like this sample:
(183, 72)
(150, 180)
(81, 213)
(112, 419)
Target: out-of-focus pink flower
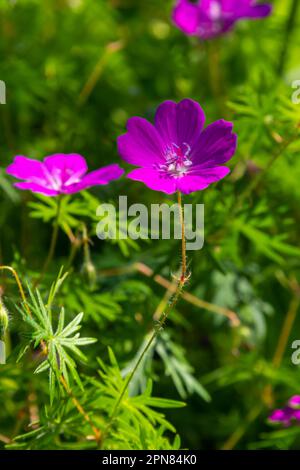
(294, 402)
(210, 18)
(287, 415)
(59, 174)
(176, 153)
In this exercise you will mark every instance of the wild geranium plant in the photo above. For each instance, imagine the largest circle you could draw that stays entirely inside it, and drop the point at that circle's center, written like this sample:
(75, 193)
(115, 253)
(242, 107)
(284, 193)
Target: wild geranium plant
(175, 155)
(108, 342)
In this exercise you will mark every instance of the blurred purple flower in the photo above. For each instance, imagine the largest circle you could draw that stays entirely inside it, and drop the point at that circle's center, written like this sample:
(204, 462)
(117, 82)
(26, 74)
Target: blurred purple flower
(59, 174)
(287, 415)
(210, 18)
(176, 154)
(294, 402)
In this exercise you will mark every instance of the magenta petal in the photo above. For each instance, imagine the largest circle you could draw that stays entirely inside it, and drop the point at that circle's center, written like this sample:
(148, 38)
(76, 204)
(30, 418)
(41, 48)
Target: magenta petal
(66, 168)
(278, 416)
(98, 177)
(142, 144)
(36, 188)
(185, 16)
(283, 416)
(216, 145)
(153, 179)
(191, 183)
(197, 181)
(259, 11)
(26, 169)
(294, 402)
(180, 123)
(210, 18)
(212, 175)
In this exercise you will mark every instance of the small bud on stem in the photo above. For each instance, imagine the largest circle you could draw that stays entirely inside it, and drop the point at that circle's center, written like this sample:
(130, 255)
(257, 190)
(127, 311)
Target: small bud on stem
(3, 328)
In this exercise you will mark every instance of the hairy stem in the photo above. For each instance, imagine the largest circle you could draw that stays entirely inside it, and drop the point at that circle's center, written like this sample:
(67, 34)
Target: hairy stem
(160, 324)
(187, 296)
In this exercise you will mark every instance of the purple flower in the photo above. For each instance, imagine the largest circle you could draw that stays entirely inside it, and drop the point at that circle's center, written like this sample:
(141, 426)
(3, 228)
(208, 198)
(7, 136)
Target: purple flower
(59, 174)
(294, 402)
(210, 18)
(282, 416)
(287, 415)
(176, 154)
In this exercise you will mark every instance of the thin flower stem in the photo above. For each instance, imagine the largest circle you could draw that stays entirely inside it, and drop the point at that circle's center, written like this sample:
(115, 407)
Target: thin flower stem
(79, 407)
(215, 75)
(241, 430)
(96, 431)
(19, 284)
(183, 241)
(286, 331)
(158, 327)
(289, 28)
(5, 439)
(52, 243)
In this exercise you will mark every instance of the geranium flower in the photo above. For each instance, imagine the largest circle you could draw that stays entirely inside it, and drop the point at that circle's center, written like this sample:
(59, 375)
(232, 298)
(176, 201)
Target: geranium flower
(210, 18)
(294, 402)
(176, 154)
(59, 174)
(287, 415)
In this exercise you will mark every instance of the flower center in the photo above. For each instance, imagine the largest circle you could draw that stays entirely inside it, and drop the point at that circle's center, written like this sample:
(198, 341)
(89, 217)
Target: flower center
(215, 12)
(60, 178)
(177, 160)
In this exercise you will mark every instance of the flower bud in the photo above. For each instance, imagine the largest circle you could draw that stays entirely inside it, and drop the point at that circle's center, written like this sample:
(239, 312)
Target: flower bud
(90, 272)
(3, 328)
(3, 319)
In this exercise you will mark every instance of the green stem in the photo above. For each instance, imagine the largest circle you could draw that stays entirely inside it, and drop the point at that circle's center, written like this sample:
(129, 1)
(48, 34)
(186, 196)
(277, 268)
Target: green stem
(160, 324)
(215, 74)
(289, 28)
(52, 244)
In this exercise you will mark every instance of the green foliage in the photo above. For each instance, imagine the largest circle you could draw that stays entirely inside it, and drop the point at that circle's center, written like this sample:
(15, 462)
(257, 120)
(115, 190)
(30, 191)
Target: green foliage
(139, 426)
(75, 71)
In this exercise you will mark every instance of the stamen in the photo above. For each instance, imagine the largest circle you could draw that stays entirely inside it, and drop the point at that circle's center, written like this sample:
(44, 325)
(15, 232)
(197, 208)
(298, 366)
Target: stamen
(177, 160)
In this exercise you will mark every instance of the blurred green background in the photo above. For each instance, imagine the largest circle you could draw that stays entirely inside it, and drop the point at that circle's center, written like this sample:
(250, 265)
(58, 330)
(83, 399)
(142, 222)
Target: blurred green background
(75, 71)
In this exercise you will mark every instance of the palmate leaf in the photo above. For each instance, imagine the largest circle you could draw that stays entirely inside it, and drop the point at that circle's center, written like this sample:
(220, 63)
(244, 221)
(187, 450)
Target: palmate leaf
(103, 308)
(138, 425)
(72, 210)
(62, 343)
